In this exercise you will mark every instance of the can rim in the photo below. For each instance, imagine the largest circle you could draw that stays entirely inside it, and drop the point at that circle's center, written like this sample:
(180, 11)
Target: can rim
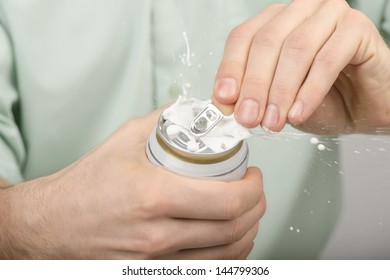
(197, 158)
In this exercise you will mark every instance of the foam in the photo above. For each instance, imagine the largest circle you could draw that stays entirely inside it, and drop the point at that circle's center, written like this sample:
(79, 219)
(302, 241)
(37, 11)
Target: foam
(224, 136)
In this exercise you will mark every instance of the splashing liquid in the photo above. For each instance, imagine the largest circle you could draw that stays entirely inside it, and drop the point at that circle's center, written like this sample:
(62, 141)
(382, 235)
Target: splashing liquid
(187, 57)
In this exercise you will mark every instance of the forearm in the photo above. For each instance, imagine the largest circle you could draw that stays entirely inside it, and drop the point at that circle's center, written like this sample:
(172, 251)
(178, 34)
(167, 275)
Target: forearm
(22, 221)
(4, 222)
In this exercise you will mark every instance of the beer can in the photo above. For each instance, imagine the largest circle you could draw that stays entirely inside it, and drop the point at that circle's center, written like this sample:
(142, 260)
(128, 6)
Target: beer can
(171, 150)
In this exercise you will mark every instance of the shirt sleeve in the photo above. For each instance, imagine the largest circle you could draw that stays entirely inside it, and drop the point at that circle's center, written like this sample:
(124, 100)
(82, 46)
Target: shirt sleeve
(385, 26)
(12, 150)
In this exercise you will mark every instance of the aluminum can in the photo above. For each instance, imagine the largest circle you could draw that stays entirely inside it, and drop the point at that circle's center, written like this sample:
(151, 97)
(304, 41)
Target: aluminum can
(172, 153)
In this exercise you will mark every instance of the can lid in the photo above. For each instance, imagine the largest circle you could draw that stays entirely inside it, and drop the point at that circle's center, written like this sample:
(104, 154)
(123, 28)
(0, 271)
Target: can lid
(185, 143)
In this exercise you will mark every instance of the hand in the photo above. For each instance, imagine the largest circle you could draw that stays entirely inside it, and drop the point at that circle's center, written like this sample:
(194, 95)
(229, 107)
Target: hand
(114, 204)
(318, 64)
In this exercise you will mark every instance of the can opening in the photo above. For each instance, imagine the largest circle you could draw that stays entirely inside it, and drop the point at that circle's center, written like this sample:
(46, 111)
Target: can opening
(181, 144)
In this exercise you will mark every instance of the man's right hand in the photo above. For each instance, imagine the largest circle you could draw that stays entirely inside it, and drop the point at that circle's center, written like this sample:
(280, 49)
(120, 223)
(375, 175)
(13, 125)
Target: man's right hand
(321, 66)
(114, 204)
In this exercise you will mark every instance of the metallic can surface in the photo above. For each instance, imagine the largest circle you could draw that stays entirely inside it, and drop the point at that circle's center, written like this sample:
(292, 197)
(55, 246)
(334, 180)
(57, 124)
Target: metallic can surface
(173, 153)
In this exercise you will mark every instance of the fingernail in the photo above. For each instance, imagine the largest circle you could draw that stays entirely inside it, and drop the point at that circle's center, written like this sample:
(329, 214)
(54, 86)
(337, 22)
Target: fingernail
(248, 112)
(296, 110)
(271, 117)
(226, 88)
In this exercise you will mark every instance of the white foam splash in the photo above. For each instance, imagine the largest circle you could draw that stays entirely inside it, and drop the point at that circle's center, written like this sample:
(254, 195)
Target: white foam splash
(188, 53)
(224, 136)
(186, 88)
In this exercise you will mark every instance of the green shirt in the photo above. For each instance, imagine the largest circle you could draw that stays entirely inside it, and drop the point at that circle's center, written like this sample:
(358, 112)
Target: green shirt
(71, 72)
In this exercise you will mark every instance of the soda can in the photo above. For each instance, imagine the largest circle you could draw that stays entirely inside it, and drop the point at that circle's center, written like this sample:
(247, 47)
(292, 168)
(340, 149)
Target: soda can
(173, 152)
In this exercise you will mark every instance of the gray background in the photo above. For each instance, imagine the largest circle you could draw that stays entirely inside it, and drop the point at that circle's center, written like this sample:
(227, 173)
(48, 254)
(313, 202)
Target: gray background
(363, 230)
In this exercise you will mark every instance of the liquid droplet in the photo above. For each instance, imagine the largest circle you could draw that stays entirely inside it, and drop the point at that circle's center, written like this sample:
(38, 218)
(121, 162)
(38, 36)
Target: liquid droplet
(321, 147)
(314, 140)
(192, 146)
(173, 130)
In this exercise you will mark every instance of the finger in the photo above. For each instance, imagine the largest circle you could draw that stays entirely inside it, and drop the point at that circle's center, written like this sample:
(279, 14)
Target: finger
(183, 197)
(206, 233)
(228, 252)
(330, 118)
(263, 58)
(295, 59)
(171, 235)
(337, 52)
(233, 63)
(158, 237)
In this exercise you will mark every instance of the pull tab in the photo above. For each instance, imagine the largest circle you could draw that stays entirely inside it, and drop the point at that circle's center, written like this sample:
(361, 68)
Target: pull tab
(205, 120)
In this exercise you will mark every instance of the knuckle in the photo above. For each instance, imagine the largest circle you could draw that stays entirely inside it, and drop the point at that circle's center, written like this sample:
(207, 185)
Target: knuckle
(360, 20)
(326, 59)
(232, 234)
(280, 89)
(275, 7)
(333, 2)
(255, 88)
(149, 204)
(154, 243)
(255, 82)
(155, 202)
(236, 231)
(240, 32)
(266, 38)
(297, 43)
(357, 17)
(233, 207)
